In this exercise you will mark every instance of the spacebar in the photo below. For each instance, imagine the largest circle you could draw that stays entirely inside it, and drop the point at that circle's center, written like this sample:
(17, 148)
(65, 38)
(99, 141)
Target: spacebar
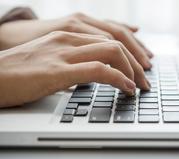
(171, 117)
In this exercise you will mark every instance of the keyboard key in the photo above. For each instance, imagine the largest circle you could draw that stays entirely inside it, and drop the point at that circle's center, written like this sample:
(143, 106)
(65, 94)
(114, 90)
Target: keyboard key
(168, 75)
(153, 82)
(152, 90)
(104, 99)
(82, 95)
(154, 86)
(148, 111)
(105, 94)
(69, 112)
(124, 117)
(149, 95)
(121, 96)
(170, 103)
(171, 117)
(104, 85)
(125, 107)
(67, 118)
(81, 112)
(168, 80)
(86, 87)
(165, 97)
(172, 88)
(124, 97)
(168, 84)
(148, 100)
(84, 105)
(152, 79)
(100, 115)
(148, 119)
(150, 73)
(103, 104)
(72, 106)
(170, 92)
(80, 100)
(106, 89)
(148, 105)
(126, 102)
(120, 92)
(170, 109)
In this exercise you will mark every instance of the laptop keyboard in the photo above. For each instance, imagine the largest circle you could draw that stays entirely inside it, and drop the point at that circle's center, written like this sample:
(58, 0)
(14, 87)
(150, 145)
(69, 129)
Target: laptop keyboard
(102, 103)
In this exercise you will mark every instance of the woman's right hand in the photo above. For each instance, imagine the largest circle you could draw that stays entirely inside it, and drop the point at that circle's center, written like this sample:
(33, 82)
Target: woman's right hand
(59, 60)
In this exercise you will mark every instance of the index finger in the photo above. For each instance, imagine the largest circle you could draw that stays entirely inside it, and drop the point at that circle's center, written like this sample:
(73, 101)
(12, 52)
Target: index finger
(98, 72)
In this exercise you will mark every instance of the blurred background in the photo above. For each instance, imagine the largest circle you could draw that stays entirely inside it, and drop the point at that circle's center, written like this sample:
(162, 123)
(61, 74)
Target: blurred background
(152, 16)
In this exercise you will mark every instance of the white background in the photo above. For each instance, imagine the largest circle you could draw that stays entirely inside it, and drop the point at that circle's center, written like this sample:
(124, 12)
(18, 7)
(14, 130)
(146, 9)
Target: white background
(158, 18)
(161, 16)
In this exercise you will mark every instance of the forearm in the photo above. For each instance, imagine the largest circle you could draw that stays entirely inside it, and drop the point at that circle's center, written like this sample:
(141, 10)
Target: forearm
(6, 79)
(7, 25)
(18, 32)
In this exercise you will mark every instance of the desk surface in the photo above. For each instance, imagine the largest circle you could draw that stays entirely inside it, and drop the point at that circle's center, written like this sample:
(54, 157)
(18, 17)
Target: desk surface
(88, 154)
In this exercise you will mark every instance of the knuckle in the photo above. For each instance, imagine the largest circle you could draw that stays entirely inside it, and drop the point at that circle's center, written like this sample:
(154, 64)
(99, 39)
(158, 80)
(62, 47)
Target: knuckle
(140, 70)
(79, 15)
(98, 66)
(101, 37)
(97, 70)
(109, 36)
(142, 55)
(58, 35)
(123, 33)
(54, 33)
(114, 48)
(121, 44)
(131, 74)
(72, 25)
(142, 58)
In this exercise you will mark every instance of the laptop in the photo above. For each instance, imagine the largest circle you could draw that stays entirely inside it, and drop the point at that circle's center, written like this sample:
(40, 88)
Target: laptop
(95, 115)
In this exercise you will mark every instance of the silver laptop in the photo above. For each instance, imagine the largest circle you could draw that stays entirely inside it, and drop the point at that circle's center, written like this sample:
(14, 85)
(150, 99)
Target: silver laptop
(95, 115)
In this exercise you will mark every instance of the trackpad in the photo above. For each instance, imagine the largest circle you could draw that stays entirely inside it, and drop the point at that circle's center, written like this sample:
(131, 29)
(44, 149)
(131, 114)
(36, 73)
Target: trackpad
(44, 105)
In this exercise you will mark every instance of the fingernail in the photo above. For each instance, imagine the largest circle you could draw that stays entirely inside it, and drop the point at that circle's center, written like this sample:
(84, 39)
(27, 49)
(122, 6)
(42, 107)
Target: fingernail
(147, 85)
(130, 84)
(148, 64)
(151, 54)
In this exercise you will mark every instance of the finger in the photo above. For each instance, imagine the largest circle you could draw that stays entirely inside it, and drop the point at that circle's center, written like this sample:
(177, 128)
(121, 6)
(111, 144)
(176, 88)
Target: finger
(123, 36)
(133, 29)
(97, 36)
(148, 52)
(139, 53)
(133, 46)
(82, 27)
(101, 37)
(82, 55)
(79, 39)
(105, 52)
(99, 72)
(130, 27)
(139, 76)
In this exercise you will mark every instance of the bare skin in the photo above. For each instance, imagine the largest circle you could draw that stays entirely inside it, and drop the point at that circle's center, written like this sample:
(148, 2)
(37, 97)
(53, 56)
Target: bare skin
(61, 59)
(24, 31)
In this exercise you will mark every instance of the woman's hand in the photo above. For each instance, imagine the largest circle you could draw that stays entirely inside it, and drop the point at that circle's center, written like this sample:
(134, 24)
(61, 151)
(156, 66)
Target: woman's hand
(24, 31)
(59, 60)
